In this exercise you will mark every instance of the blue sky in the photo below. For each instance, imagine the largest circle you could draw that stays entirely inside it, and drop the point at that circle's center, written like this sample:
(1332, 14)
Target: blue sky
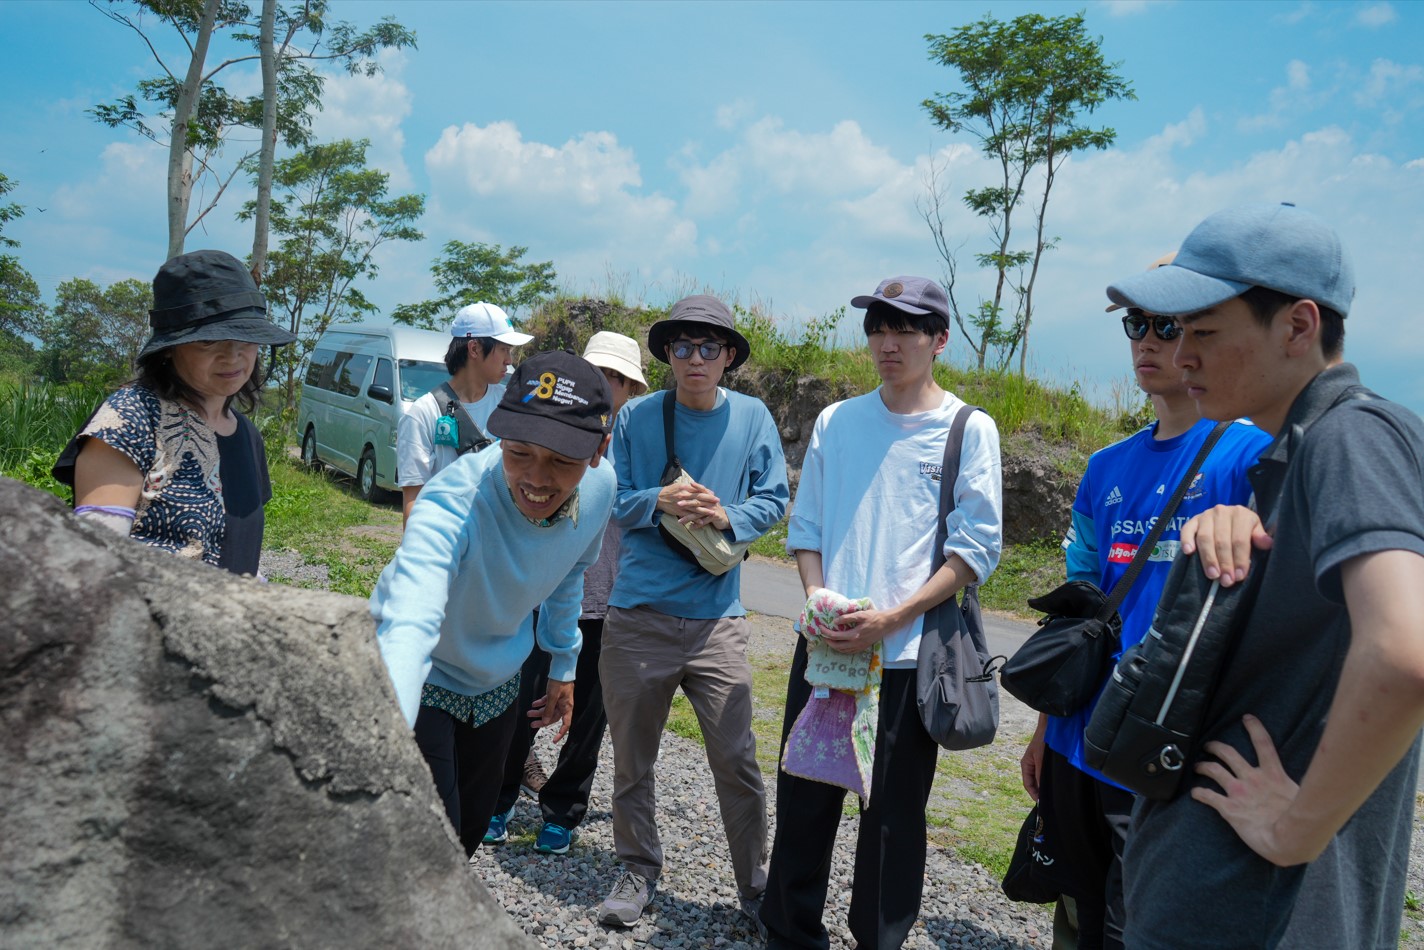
(773, 152)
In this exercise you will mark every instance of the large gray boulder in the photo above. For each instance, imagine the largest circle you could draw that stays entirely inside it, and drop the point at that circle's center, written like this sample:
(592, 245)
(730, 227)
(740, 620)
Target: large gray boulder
(189, 759)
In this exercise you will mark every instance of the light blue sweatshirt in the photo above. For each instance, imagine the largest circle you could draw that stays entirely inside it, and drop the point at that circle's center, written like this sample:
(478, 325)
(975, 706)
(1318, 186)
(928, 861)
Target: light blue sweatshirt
(733, 449)
(454, 605)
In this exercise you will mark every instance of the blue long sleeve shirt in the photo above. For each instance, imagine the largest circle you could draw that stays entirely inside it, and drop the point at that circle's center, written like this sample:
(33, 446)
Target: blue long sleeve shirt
(732, 449)
(454, 606)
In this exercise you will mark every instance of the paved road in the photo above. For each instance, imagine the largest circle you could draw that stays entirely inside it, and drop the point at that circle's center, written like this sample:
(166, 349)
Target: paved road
(772, 588)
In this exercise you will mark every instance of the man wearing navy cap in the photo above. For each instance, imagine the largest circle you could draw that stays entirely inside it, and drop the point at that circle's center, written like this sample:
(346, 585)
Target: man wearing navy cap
(1296, 829)
(492, 536)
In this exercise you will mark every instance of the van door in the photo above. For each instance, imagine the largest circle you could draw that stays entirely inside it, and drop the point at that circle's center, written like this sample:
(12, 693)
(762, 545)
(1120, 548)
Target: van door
(383, 417)
(349, 379)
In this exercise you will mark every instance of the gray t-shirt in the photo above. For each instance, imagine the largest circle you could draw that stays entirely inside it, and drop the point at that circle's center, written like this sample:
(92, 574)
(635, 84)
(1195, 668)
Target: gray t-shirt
(1350, 485)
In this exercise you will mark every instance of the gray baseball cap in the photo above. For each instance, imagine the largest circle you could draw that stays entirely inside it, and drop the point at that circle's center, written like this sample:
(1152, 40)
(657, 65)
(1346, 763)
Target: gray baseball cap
(918, 295)
(1279, 247)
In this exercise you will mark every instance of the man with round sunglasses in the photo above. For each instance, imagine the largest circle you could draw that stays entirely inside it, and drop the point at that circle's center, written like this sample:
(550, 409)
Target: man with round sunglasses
(1126, 485)
(672, 624)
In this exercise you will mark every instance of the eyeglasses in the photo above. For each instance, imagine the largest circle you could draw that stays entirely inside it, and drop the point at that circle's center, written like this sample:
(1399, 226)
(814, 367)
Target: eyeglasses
(682, 349)
(1136, 322)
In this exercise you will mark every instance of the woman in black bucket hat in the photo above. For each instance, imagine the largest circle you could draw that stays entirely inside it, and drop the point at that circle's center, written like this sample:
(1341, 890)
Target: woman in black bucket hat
(167, 459)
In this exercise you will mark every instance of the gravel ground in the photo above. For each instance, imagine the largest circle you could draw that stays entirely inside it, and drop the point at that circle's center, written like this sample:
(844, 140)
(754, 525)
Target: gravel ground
(553, 897)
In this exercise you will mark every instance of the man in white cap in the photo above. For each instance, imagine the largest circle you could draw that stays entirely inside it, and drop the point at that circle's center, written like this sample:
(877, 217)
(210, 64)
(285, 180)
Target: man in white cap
(450, 420)
(1296, 828)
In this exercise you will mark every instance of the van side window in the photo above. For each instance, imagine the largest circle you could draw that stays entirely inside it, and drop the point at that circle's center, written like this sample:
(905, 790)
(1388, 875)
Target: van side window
(385, 376)
(319, 368)
(349, 371)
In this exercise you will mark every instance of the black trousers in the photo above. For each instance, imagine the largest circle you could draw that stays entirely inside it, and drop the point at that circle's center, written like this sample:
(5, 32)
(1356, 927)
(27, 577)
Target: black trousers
(564, 798)
(1088, 821)
(463, 760)
(890, 847)
(533, 684)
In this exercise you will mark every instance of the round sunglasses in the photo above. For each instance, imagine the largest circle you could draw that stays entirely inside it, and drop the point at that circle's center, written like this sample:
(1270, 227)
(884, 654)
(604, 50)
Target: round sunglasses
(1136, 322)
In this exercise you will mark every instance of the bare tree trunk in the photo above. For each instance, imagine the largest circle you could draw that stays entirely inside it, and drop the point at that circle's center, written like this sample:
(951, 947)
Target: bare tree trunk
(180, 157)
(268, 155)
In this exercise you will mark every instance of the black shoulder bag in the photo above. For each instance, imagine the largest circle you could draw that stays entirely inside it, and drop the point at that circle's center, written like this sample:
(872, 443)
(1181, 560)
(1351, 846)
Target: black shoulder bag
(954, 676)
(471, 437)
(1061, 667)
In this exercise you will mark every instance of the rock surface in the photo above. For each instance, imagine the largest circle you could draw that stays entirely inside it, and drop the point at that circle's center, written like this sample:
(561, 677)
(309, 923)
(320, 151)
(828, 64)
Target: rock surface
(193, 759)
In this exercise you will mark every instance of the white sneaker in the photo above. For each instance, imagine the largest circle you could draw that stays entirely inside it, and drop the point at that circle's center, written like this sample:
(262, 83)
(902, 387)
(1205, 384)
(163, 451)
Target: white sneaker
(625, 903)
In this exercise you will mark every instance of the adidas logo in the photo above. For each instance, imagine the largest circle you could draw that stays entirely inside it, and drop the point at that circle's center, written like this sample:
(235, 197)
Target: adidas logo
(1114, 497)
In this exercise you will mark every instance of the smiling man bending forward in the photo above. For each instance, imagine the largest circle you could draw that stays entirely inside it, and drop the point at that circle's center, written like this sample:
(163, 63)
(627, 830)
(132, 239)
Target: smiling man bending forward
(494, 535)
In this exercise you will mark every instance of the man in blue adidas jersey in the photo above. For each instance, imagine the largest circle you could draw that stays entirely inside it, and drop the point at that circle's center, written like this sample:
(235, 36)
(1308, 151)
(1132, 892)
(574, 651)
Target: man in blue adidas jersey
(1125, 487)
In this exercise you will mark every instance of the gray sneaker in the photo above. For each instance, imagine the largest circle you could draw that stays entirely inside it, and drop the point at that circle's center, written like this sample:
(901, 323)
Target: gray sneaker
(624, 904)
(751, 906)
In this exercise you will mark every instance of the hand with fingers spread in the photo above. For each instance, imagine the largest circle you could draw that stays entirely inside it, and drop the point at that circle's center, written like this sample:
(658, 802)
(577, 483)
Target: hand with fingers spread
(556, 705)
(1223, 538)
(1254, 798)
(694, 505)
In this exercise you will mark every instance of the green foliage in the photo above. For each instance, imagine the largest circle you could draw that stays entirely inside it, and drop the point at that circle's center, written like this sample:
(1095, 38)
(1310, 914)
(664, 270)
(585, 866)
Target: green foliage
(1028, 85)
(810, 353)
(94, 333)
(36, 421)
(21, 308)
(332, 214)
(470, 273)
(1024, 571)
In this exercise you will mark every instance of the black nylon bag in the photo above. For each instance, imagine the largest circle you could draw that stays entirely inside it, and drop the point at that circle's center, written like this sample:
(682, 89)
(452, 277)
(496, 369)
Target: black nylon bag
(1062, 665)
(1027, 879)
(1151, 719)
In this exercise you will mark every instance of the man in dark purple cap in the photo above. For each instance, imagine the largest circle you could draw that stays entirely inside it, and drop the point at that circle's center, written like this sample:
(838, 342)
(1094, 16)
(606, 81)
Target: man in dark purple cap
(864, 525)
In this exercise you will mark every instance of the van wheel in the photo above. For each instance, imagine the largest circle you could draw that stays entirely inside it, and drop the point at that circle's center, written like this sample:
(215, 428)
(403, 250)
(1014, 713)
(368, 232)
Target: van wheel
(309, 458)
(366, 476)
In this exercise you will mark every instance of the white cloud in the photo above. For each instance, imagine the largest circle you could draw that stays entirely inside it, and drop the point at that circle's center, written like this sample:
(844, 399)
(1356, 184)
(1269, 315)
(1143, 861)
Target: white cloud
(1395, 88)
(1119, 8)
(733, 114)
(370, 107)
(573, 203)
(1375, 15)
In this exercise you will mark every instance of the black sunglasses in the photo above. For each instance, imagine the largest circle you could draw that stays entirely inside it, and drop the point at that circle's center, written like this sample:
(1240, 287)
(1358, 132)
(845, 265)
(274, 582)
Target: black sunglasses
(710, 350)
(1136, 322)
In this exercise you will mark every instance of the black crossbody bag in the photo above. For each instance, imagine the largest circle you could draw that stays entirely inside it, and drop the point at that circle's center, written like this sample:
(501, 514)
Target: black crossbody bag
(471, 437)
(1061, 667)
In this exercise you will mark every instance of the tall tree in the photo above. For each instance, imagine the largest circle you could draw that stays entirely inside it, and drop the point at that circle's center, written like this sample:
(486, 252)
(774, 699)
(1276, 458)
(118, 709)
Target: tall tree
(21, 309)
(200, 115)
(1028, 86)
(332, 214)
(468, 273)
(94, 333)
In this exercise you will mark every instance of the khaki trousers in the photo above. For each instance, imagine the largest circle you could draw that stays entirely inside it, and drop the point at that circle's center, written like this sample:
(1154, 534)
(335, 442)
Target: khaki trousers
(647, 656)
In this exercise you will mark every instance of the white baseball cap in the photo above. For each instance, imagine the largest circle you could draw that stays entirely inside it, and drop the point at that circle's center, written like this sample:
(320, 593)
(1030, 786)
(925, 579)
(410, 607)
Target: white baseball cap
(485, 319)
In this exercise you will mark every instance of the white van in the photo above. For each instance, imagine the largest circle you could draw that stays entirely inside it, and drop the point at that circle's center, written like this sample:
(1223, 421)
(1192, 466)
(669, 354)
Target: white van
(360, 380)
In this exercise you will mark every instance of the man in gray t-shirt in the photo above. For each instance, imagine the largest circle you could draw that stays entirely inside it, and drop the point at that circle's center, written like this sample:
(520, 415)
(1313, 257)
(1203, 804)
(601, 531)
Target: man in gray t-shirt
(1296, 828)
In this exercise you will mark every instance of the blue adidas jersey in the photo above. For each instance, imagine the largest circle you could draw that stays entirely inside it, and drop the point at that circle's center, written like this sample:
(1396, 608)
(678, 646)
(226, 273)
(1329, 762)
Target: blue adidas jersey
(1125, 487)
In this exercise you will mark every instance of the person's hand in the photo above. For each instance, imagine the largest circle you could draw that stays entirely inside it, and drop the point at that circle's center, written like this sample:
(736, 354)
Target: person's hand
(861, 630)
(1031, 766)
(694, 505)
(1223, 538)
(556, 705)
(1253, 797)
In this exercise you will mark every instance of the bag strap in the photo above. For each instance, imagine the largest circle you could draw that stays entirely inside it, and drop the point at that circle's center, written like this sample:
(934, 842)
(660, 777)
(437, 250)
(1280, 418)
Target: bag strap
(670, 407)
(1144, 551)
(948, 475)
(472, 437)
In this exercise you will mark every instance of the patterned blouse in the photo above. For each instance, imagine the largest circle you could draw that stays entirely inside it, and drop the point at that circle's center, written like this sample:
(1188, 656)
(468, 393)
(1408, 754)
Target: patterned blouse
(180, 508)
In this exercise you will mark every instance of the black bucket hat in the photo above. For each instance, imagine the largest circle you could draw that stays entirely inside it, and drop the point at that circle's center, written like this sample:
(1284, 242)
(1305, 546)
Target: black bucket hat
(689, 315)
(208, 295)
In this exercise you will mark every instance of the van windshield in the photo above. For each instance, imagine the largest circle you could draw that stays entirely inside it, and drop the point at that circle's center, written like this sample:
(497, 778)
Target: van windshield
(417, 378)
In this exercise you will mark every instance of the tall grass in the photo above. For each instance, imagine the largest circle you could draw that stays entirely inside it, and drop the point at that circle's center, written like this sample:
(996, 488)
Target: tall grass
(36, 421)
